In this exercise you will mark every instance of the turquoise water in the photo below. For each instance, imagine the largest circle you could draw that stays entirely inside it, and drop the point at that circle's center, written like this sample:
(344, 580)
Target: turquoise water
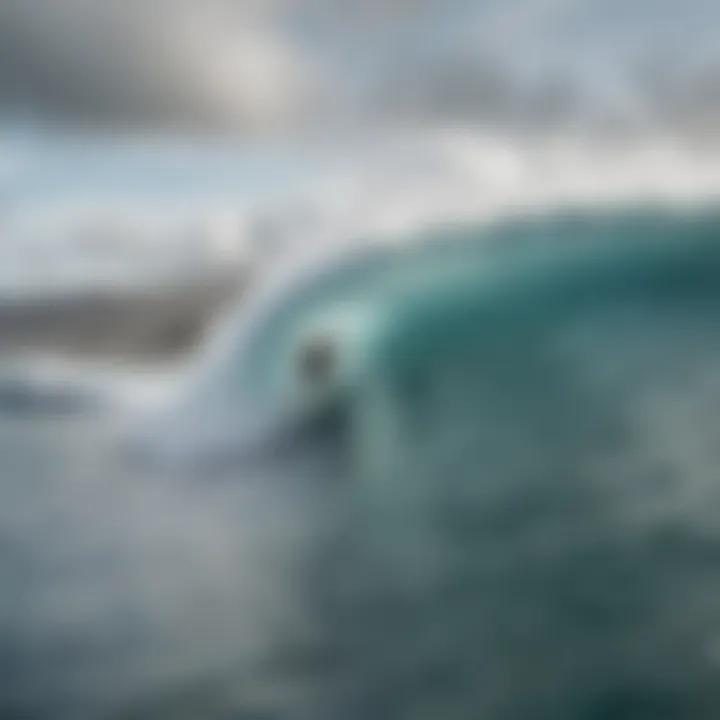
(500, 499)
(535, 526)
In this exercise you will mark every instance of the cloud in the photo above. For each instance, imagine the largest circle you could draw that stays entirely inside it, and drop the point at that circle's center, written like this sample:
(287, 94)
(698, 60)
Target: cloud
(274, 64)
(148, 61)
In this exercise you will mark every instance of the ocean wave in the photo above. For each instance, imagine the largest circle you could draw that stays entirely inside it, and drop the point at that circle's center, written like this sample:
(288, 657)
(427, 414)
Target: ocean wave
(348, 299)
(471, 475)
(522, 475)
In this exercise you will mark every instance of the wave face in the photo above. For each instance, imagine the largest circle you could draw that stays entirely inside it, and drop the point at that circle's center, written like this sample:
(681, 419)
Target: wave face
(517, 436)
(530, 515)
(495, 498)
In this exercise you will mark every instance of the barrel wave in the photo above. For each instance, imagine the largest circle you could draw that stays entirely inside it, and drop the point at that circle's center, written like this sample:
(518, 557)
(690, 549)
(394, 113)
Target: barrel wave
(530, 488)
(469, 477)
(522, 470)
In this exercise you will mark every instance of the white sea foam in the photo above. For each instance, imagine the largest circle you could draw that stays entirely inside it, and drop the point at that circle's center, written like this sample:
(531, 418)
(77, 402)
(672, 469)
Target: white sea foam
(226, 210)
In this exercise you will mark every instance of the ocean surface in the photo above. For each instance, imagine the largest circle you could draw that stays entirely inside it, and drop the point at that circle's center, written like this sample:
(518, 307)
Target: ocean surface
(454, 456)
(494, 496)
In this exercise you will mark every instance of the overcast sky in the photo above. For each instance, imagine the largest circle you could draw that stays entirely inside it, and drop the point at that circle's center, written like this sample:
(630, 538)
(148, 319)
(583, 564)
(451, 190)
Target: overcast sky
(267, 65)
